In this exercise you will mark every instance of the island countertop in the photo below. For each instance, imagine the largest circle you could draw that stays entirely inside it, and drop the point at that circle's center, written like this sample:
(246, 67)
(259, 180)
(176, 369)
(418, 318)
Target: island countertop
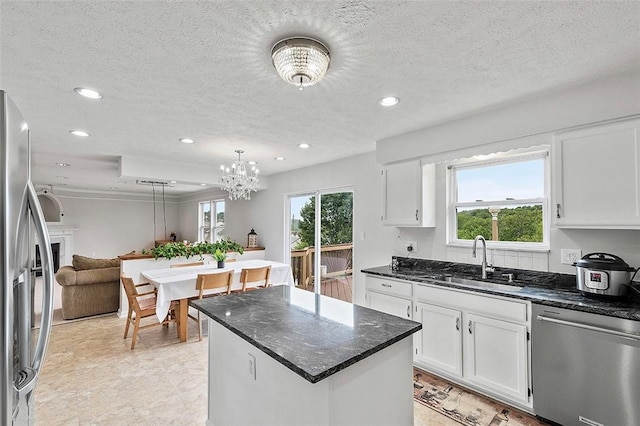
(313, 335)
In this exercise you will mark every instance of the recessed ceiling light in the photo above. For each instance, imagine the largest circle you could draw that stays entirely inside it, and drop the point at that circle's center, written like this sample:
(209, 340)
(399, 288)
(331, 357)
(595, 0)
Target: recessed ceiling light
(304, 145)
(203, 184)
(279, 158)
(186, 140)
(80, 133)
(173, 181)
(87, 93)
(113, 187)
(388, 101)
(252, 163)
(63, 164)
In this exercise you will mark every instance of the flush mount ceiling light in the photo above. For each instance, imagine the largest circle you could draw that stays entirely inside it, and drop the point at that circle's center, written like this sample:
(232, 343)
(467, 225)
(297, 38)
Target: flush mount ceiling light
(186, 140)
(237, 181)
(87, 93)
(304, 146)
(300, 61)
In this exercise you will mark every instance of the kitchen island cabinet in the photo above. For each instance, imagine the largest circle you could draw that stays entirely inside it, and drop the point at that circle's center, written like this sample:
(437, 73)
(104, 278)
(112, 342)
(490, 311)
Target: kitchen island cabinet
(286, 356)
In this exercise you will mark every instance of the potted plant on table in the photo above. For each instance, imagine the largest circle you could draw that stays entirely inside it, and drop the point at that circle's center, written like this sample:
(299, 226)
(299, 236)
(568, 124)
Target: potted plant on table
(220, 256)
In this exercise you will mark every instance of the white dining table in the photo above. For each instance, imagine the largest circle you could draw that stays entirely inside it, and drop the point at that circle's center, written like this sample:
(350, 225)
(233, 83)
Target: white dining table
(180, 284)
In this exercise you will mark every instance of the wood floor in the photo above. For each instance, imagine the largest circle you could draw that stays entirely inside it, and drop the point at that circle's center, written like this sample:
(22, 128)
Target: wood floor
(340, 288)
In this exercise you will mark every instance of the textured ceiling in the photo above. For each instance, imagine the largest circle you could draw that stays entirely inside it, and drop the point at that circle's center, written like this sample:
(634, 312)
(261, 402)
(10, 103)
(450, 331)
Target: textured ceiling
(203, 70)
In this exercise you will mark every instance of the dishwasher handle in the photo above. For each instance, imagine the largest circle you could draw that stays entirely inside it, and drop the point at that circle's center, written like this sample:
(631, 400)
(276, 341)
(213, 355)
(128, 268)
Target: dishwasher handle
(590, 327)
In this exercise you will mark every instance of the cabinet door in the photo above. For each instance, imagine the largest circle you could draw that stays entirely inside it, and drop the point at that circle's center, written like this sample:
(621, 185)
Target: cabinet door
(496, 356)
(439, 343)
(389, 304)
(597, 177)
(401, 194)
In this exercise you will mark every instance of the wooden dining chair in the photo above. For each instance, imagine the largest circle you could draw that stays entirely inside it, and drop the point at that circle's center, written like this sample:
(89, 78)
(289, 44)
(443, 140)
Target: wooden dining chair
(206, 282)
(253, 275)
(143, 305)
(183, 265)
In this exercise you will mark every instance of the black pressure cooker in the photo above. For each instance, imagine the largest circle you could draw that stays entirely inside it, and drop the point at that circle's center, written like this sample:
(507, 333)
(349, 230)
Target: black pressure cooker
(603, 275)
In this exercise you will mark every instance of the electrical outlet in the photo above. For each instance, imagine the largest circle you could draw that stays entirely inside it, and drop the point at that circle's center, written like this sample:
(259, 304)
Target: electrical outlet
(411, 246)
(252, 366)
(570, 256)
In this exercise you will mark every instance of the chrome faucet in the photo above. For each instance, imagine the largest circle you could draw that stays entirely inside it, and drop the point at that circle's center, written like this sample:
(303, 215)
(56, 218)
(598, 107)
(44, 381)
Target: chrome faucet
(485, 268)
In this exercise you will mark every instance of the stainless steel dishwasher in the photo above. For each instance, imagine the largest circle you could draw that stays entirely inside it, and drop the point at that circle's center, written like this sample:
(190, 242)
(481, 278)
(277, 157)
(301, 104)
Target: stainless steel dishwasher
(586, 368)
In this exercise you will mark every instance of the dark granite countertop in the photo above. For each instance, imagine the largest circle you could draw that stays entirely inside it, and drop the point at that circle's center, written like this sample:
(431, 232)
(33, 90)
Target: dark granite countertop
(313, 335)
(545, 288)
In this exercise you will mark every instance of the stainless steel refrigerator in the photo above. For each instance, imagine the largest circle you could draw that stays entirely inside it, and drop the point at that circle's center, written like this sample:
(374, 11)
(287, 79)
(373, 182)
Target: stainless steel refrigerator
(24, 336)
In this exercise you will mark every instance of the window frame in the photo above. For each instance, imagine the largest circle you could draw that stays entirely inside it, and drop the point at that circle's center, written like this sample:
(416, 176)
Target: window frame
(213, 220)
(494, 159)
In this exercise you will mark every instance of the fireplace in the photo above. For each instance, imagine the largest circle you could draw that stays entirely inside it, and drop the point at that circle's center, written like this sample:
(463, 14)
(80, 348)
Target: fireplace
(55, 251)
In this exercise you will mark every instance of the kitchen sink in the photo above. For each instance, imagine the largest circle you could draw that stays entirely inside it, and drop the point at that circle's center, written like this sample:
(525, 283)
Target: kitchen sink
(479, 284)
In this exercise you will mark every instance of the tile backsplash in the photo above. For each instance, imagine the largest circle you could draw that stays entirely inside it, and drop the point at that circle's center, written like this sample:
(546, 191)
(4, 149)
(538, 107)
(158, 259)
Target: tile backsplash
(530, 260)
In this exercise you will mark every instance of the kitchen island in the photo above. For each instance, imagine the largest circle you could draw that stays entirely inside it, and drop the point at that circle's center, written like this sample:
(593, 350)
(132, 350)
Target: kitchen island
(286, 356)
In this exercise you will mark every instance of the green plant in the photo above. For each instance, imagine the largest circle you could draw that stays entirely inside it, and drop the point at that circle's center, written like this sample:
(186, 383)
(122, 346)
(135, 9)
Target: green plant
(176, 249)
(220, 255)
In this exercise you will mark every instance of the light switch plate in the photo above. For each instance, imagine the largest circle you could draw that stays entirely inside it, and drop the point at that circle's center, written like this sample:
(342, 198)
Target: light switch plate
(570, 256)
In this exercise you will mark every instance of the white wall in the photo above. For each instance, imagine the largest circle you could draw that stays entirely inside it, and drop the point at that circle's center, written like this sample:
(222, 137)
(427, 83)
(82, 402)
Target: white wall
(106, 227)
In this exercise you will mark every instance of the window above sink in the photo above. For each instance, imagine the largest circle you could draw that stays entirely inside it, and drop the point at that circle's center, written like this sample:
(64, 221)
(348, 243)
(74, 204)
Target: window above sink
(504, 197)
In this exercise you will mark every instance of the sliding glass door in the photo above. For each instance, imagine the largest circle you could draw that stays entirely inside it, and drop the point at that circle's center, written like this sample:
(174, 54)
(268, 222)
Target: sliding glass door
(320, 240)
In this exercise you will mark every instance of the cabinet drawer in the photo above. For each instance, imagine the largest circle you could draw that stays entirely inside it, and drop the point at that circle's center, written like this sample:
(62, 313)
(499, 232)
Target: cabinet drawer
(480, 304)
(389, 286)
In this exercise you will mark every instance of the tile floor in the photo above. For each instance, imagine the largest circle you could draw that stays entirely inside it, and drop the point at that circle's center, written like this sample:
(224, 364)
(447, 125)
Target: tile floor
(92, 377)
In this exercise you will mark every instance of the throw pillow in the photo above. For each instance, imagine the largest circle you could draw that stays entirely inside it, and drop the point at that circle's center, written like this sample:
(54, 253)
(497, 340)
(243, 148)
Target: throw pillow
(81, 263)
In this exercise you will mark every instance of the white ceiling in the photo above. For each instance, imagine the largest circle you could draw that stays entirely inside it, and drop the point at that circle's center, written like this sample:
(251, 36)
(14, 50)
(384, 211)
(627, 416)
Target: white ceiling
(203, 70)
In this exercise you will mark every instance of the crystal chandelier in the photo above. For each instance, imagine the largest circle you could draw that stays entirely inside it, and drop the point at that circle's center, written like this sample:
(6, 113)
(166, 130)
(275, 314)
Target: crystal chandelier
(300, 61)
(237, 181)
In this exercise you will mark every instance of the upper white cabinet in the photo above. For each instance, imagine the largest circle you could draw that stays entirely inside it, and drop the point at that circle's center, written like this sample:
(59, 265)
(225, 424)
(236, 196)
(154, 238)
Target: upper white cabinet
(408, 193)
(597, 177)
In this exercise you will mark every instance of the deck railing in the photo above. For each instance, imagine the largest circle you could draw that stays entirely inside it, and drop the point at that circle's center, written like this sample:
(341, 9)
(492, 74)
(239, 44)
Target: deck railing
(337, 258)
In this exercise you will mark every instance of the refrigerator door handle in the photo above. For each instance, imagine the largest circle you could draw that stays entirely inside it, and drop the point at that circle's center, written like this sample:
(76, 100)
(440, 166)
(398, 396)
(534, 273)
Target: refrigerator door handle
(30, 375)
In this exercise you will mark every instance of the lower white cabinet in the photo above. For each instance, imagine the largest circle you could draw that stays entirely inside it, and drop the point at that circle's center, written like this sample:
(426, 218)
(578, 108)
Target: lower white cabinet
(389, 296)
(480, 341)
(496, 356)
(439, 343)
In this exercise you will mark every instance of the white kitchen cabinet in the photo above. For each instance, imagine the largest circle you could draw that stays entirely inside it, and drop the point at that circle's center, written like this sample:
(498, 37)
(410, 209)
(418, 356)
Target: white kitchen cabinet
(389, 296)
(496, 356)
(479, 340)
(439, 343)
(597, 177)
(408, 193)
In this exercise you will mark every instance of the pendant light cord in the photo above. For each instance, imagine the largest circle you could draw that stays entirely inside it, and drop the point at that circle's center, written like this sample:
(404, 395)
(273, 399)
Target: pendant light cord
(153, 187)
(164, 213)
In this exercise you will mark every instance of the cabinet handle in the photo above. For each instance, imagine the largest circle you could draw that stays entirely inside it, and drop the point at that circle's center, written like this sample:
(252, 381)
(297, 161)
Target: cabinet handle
(470, 332)
(408, 311)
(386, 285)
(558, 210)
(458, 324)
(416, 214)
